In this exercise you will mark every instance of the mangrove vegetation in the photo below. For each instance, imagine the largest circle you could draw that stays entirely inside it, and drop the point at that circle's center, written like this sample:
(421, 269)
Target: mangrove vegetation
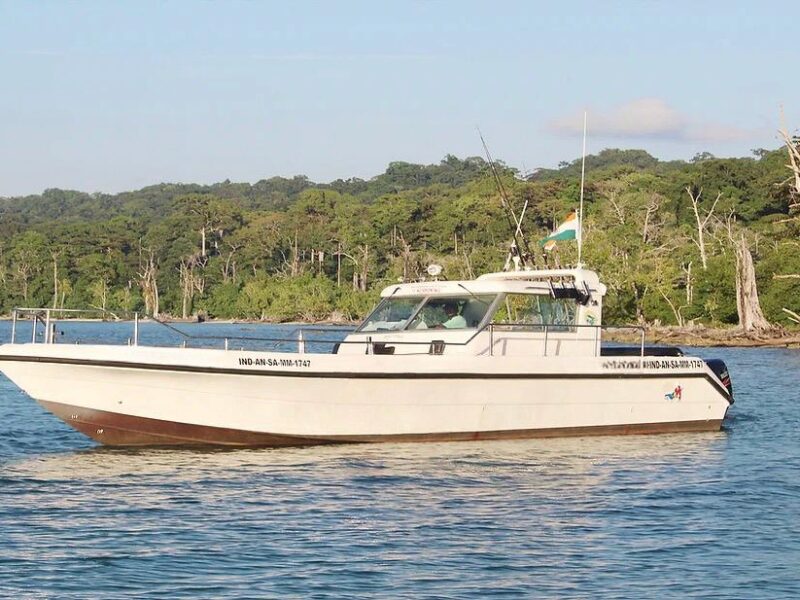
(672, 240)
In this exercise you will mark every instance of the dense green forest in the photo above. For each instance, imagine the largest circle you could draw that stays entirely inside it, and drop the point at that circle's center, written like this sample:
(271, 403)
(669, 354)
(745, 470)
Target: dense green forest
(661, 235)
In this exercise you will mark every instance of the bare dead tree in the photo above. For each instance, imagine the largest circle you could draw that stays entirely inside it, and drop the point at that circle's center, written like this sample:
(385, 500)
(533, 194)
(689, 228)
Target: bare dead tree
(468, 264)
(210, 219)
(187, 285)
(315, 258)
(191, 281)
(676, 311)
(751, 317)
(611, 190)
(100, 290)
(364, 249)
(338, 254)
(148, 271)
(54, 254)
(200, 284)
(748, 306)
(407, 256)
(353, 260)
(23, 275)
(3, 270)
(619, 211)
(360, 267)
(320, 261)
(64, 288)
(687, 269)
(793, 149)
(229, 265)
(292, 263)
(650, 212)
(639, 294)
(24, 272)
(702, 223)
(294, 266)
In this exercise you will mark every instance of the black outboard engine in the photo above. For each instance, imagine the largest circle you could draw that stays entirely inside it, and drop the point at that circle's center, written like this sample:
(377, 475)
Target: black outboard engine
(721, 371)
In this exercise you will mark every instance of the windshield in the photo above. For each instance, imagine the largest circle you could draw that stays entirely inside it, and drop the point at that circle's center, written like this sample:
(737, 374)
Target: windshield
(391, 314)
(452, 312)
(456, 312)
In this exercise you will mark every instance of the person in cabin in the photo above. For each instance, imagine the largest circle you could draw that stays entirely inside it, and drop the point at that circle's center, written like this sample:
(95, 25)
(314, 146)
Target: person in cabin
(440, 314)
(454, 319)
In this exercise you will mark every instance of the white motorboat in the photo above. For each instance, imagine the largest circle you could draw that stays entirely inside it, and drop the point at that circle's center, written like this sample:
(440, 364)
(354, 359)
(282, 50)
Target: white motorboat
(514, 354)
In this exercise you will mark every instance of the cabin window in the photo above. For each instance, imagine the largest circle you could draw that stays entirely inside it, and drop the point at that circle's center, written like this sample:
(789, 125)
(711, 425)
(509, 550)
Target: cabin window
(454, 312)
(391, 314)
(536, 309)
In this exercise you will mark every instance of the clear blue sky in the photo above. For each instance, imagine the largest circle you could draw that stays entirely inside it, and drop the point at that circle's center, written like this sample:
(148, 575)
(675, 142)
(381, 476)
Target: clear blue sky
(109, 96)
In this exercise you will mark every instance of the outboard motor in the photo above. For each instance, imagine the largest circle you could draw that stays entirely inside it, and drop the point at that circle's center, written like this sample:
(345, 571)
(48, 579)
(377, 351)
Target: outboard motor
(721, 371)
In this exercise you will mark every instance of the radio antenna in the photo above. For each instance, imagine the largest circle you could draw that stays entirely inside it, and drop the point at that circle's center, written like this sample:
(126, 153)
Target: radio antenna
(583, 179)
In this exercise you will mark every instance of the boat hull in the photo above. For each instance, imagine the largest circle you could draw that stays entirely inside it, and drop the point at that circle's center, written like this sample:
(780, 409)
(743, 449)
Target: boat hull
(116, 429)
(144, 396)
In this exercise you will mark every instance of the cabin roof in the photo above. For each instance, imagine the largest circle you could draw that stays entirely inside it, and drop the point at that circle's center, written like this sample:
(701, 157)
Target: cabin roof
(533, 281)
(527, 274)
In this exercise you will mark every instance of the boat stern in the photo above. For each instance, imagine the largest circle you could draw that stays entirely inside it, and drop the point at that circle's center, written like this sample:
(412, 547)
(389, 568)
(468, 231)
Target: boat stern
(720, 370)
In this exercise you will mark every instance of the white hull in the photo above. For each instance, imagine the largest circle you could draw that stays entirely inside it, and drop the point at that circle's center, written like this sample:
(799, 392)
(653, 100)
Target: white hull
(143, 395)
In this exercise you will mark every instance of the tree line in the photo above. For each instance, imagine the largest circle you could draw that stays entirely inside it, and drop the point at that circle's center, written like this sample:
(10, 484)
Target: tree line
(668, 238)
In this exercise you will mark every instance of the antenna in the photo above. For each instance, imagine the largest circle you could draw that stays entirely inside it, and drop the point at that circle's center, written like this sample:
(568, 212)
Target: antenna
(583, 179)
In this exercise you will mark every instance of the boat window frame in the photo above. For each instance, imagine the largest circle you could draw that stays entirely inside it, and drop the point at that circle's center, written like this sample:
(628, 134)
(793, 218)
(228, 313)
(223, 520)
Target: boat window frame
(552, 327)
(414, 311)
(457, 297)
(490, 310)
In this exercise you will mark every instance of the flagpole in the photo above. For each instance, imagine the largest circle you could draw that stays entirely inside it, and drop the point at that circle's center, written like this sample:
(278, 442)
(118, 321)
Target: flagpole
(580, 210)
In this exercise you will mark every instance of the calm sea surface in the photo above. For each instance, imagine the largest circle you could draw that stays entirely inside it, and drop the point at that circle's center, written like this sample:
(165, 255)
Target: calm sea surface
(712, 515)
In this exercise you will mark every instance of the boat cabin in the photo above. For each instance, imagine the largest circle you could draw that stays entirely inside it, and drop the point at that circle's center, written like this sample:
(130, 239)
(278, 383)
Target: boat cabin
(543, 312)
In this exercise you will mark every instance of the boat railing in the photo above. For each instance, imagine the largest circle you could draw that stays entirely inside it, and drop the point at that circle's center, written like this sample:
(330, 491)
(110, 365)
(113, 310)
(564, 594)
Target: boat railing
(301, 336)
(47, 318)
(549, 329)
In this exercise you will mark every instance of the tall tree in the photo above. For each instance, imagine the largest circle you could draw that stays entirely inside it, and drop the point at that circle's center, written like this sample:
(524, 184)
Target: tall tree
(702, 222)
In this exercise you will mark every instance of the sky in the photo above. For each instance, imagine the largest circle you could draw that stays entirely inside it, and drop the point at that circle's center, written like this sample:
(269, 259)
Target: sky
(113, 96)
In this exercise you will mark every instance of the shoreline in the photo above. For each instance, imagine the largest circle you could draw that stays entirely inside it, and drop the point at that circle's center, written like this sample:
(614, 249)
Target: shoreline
(713, 337)
(721, 337)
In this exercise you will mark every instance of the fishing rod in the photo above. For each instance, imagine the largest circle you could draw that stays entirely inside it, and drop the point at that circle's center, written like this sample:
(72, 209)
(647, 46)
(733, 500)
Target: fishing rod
(523, 250)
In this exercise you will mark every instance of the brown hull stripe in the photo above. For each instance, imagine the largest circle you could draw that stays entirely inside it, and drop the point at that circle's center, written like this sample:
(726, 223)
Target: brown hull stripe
(359, 374)
(116, 429)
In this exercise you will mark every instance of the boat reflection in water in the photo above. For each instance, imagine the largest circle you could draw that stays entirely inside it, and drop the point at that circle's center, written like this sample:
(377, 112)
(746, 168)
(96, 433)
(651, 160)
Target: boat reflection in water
(584, 461)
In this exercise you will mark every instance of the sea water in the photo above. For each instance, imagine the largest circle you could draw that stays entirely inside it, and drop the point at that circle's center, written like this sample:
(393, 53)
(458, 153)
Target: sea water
(711, 515)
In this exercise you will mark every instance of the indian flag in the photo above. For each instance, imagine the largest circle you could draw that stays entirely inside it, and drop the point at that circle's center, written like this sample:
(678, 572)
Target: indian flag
(568, 230)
